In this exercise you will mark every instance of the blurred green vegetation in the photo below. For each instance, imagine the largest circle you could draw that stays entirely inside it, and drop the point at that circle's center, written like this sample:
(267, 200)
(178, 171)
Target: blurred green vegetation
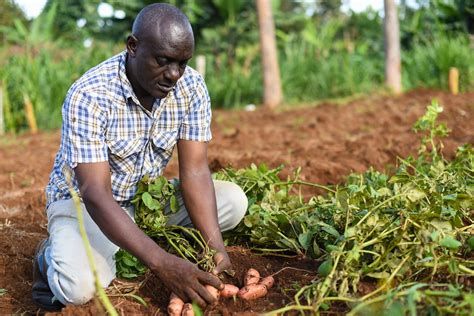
(324, 52)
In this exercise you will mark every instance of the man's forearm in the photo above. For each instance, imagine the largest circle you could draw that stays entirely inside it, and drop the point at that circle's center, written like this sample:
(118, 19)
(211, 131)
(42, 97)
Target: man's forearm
(200, 201)
(122, 231)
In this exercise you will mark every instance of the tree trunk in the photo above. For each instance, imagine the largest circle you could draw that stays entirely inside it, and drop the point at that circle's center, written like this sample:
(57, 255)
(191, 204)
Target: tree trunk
(272, 93)
(2, 122)
(393, 77)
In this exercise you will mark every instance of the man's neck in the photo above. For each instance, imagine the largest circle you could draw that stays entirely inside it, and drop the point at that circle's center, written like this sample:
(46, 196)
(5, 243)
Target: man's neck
(146, 100)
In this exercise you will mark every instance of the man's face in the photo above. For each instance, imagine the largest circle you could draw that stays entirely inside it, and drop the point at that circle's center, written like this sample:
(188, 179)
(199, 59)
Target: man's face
(158, 63)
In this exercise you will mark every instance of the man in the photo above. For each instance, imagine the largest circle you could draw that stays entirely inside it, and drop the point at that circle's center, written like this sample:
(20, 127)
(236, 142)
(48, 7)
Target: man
(121, 120)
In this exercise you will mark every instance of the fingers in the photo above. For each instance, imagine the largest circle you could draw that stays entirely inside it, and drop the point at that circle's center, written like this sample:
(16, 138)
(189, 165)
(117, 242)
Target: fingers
(202, 296)
(194, 297)
(211, 279)
(222, 263)
(218, 269)
(206, 295)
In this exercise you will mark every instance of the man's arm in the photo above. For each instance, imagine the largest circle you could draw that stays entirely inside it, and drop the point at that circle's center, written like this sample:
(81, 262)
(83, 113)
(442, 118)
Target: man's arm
(199, 197)
(179, 275)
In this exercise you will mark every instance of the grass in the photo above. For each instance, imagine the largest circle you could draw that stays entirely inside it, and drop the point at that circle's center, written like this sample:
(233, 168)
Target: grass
(427, 65)
(44, 73)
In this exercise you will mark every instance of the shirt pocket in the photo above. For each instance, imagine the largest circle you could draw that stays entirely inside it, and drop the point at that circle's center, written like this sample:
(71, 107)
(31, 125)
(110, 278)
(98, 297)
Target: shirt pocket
(125, 155)
(163, 145)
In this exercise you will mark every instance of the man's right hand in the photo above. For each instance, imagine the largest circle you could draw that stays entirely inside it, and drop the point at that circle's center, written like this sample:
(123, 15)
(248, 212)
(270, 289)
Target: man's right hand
(186, 280)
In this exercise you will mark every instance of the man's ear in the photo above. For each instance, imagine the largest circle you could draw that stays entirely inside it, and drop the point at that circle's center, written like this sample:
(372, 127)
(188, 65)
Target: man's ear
(132, 43)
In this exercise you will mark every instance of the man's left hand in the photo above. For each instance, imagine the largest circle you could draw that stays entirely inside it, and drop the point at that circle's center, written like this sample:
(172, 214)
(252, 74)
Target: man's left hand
(222, 261)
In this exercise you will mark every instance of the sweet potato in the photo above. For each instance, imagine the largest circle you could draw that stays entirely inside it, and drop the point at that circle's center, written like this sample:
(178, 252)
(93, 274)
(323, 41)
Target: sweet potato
(175, 306)
(214, 292)
(229, 290)
(252, 291)
(268, 281)
(188, 310)
(251, 277)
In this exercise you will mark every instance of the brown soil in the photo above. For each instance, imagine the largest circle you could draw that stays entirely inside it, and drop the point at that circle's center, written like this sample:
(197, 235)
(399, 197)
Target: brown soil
(328, 141)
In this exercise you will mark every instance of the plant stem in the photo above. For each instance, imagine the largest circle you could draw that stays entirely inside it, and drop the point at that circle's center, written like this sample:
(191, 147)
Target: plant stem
(100, 291)
(306, 183)
(289, 308)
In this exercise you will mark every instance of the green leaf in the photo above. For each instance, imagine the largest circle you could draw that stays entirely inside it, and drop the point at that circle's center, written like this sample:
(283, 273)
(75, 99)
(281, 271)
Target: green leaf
(129, 262)
(395, 309)
(324, 306)
(150, 202)
(415, 195)
(470, 242)
(329, 229)
(450, 197)
(384, 191)
(379, 275)
(325, 268)
(138, 299)
(128, 275)
(174, 206)
(305, 239)
(156, 187)
(197, 310)
(443, 226)
(350, 232)
(450, 242)
(251, 220)
(330, 248)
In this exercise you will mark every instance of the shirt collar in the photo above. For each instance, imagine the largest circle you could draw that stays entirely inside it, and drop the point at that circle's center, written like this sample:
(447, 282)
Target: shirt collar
(126, 85)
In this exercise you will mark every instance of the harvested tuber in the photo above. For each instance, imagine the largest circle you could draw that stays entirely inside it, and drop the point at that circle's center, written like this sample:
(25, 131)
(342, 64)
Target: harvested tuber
(213, 291)
(268, 281)
(175, 306)
(229, 290)
(252, 291)
(251, 277)
(188, 310)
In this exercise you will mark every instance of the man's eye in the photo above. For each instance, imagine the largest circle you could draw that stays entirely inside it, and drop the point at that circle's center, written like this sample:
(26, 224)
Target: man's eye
(162, 61)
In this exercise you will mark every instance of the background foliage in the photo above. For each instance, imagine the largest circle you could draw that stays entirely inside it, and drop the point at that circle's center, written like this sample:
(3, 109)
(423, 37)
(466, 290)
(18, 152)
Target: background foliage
(324, 52)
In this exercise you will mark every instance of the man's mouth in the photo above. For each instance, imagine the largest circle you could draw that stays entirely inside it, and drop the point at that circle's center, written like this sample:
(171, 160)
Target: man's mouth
(164, 87)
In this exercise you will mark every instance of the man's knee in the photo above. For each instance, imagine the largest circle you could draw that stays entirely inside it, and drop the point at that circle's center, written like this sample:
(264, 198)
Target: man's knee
(72, 281)
(74, 289)
(234, 203)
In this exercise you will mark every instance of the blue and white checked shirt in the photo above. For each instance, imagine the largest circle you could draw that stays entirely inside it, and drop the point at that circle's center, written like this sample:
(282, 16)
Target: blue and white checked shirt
(104, 121)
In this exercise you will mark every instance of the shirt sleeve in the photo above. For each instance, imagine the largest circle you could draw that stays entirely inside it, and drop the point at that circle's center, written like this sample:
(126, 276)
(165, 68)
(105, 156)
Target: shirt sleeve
(84, 125)
(197, 122)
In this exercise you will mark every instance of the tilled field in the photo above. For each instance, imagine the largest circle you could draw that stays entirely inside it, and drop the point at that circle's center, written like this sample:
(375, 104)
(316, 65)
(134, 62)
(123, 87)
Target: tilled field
(328, 141)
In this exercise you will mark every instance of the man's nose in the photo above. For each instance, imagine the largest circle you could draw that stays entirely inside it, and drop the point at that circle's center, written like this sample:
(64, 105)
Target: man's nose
(172, 72)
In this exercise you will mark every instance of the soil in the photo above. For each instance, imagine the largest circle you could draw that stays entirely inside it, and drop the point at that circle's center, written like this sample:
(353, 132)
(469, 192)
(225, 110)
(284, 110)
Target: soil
(328, 140)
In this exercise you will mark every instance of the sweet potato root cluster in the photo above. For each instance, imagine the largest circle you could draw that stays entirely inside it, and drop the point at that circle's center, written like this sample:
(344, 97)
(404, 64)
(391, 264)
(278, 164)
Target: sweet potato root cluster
(254, 287)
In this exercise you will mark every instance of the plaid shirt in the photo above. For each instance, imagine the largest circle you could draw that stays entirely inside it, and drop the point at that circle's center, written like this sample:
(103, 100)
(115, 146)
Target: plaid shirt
(104, 121)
